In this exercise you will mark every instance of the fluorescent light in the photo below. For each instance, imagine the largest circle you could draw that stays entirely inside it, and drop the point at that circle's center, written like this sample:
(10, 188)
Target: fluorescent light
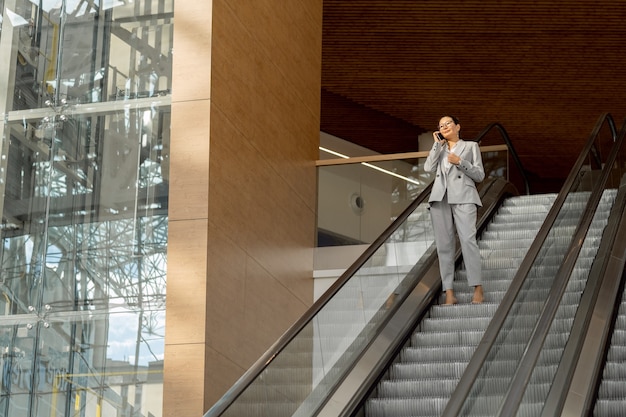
(334, 153)
(371, 166)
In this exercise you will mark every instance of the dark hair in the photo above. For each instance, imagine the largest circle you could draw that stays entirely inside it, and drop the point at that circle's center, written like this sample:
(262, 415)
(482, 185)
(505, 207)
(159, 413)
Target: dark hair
(454, 118)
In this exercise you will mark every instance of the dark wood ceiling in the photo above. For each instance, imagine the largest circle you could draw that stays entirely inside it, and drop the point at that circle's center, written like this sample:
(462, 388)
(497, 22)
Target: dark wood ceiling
(545, 70)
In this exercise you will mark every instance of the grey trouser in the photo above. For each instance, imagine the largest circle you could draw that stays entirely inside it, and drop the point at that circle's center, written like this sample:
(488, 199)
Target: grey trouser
(445, 217)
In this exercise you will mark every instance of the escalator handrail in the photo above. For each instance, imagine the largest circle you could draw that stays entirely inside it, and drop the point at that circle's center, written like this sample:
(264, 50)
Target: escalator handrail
(578, 377)
(257, 368)
(345, 399)
(509, 145)
(479, 357)
(534, 347)
(582, 365)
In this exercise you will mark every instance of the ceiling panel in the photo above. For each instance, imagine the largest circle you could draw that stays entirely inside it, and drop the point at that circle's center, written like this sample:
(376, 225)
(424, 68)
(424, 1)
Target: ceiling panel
(545, 70)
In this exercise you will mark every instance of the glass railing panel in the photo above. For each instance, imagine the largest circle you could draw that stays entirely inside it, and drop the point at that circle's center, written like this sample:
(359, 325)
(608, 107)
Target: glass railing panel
(357, 201)
(496, 374)
(546, 368)
(496, 163)
(506, 164)
(299, 377)
(552, 354)
(360, 197)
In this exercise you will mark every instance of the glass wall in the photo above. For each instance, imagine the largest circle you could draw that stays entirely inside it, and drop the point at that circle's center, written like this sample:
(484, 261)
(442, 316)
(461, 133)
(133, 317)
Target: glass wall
(85, 103)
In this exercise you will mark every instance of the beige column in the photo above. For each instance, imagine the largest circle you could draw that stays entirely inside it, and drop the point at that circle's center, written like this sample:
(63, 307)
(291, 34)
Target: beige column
(245, 131)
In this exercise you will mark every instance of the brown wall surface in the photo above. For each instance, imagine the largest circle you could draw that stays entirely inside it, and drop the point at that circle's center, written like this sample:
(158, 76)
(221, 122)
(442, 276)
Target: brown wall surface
(245, 132)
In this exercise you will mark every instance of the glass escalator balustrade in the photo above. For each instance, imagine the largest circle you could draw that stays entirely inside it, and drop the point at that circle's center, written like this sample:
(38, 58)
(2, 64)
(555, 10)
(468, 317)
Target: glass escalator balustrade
(427, 371)
(298, 379)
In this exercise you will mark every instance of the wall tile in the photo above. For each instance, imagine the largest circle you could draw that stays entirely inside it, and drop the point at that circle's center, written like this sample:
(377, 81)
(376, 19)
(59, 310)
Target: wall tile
(189, 160)
(184, 387)
(186, 282)
(191, 78)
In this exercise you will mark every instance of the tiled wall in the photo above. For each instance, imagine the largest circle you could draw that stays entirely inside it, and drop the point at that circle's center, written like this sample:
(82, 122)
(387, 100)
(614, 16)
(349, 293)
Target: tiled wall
(245, 131)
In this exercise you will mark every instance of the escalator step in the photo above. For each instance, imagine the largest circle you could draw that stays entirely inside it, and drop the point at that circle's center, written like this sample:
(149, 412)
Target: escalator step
(434, 354)
(406, 407)
(617, 354)
(446, 339)
(613, 390)
(406, 388)
(463, 310)
(530, 410)
(427, 370)
(458, 323)
(615, 371)
(610, 408)
(619, 337)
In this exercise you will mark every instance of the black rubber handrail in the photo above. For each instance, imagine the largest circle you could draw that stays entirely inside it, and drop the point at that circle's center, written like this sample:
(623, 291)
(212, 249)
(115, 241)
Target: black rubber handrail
(257, 368)
(604, 276)
(346, 400)
(507, 140)
(267, 358)
(250, 376)
(528, 362)
(456, 402)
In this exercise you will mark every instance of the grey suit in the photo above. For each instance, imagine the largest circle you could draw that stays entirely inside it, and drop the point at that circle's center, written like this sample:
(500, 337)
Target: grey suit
(453, 204)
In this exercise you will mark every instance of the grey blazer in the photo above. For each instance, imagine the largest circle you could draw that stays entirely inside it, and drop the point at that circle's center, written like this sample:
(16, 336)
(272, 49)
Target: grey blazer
(462, 178)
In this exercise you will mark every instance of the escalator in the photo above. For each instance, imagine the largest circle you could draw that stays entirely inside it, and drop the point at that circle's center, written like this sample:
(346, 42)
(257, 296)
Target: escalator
(492, 386)
(380, 344)
(611, 396)
(426, 372)
(596, 384)
(535, 380)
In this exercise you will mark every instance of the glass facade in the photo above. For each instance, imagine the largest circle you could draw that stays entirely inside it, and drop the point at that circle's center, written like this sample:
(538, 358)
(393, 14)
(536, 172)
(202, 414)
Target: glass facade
(85, 102)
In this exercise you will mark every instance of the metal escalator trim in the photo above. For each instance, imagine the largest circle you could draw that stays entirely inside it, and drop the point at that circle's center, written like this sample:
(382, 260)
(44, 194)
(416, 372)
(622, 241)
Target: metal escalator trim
(507, 140)
(350, 393)
(575, 395)
(265, 360)
(604, 268)
(456, 402)
(528, 362)
(268, 357)
(282, 343)
(355, 386)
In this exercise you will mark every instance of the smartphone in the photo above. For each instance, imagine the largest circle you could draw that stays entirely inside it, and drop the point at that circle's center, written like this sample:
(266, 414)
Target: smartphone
(440, 136)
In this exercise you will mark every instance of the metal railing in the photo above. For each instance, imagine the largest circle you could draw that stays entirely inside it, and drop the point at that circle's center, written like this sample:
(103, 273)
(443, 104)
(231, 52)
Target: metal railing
(467, 389)
(258, 377)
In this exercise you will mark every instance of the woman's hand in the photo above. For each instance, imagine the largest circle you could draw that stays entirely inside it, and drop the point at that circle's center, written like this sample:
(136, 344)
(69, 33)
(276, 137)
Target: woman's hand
(454, 159)
(436, 137)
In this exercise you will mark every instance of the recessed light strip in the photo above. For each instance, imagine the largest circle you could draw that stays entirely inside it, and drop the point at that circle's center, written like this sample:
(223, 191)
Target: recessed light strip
(371, 166)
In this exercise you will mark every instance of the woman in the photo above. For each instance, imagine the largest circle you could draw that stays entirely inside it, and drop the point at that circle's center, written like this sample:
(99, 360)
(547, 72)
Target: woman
(454, 202)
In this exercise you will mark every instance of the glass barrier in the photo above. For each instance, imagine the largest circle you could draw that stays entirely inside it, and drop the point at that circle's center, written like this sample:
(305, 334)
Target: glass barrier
(359, 197)
(357, 201)
(299, 377)
(507, 165)
(554, 352)
(490, 387)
